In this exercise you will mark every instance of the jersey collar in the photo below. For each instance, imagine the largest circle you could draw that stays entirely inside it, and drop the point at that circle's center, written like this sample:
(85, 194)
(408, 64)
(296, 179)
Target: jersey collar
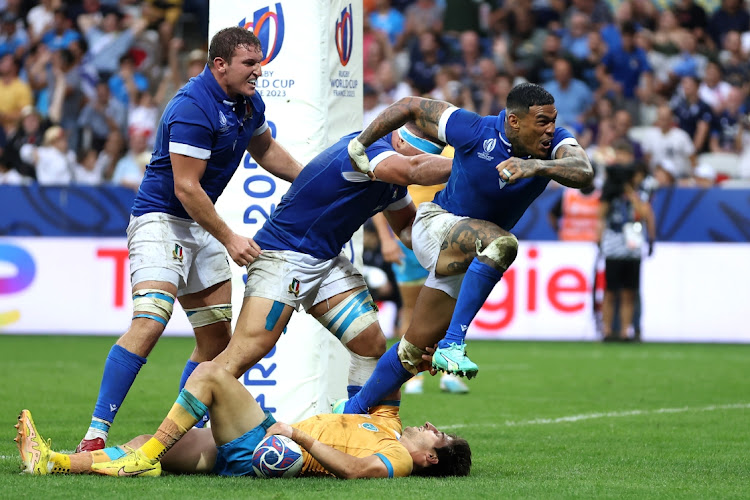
(215, 90)
(500, 126)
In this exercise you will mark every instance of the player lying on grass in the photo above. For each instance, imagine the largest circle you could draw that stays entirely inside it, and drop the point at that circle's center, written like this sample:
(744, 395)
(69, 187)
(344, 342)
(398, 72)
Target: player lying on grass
(344, 446)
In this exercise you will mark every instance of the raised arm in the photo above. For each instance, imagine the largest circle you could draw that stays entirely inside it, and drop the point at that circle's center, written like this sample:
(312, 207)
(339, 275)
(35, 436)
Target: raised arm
(425, 113)
(424, 169)
(570, 167)
(273, 157)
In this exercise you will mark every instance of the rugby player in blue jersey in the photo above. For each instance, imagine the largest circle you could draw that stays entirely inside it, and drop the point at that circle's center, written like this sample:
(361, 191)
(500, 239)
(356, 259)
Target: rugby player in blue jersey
(176, 240)
(302, 264)
(501, 165)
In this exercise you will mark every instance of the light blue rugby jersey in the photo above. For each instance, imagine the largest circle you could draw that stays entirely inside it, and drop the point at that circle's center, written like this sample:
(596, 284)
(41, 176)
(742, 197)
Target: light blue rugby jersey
(475, 188)
(329, 201)
(201, 122)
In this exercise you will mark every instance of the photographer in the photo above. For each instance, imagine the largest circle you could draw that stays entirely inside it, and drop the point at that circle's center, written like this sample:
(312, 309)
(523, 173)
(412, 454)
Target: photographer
(623, 214)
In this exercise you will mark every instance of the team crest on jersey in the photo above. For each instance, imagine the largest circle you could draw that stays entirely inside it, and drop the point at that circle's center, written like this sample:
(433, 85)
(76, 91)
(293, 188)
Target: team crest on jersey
(177, 252)
(223, 126)
(294, 287)
(488, 145)
(368, 427)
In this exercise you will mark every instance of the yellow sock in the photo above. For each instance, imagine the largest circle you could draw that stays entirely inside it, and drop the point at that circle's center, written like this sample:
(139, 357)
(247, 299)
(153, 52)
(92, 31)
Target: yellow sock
(179, 420)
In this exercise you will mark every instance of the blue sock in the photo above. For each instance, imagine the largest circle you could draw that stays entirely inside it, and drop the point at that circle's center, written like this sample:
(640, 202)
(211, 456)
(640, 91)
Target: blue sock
(190, 367)
(352, 390)
(479, 281)
(120, 371)
(388, 376)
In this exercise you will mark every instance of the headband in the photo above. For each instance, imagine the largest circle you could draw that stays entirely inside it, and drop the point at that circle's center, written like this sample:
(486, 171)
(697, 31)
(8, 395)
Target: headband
(424, 145)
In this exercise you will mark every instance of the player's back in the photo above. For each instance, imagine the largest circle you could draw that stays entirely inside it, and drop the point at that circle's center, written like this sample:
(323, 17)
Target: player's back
(360, 436)
(327, 203)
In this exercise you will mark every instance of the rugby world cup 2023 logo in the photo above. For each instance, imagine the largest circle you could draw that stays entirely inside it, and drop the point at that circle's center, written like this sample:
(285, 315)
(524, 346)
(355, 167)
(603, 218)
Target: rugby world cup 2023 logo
(268, 26)
(345, 35)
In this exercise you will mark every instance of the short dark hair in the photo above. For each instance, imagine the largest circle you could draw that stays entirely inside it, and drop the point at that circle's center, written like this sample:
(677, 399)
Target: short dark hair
(454, 459)
(523, 96)
(225, 42)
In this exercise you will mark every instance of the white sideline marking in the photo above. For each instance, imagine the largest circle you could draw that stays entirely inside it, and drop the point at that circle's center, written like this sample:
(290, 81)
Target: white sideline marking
(610, 414)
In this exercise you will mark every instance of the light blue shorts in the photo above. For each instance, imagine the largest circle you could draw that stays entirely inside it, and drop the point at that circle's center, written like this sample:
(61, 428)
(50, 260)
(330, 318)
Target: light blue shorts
(235, 458)
(410, 270)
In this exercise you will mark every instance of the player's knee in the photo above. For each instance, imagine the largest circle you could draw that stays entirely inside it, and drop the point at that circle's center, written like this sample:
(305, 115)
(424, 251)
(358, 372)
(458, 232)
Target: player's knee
(206, 373)
(152, 303)
(501, 251)
(410, 355)
(208, 315)
(352, 317)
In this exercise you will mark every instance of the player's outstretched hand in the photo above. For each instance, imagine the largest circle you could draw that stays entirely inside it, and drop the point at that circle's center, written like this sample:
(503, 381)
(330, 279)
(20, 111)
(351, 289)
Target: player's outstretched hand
(280, 428)
(242, 250)
(514, 169)
(358, 158)
(391, 251)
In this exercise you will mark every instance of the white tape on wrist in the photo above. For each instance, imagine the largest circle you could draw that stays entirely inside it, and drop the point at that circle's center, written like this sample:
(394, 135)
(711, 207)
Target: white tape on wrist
(359, 156)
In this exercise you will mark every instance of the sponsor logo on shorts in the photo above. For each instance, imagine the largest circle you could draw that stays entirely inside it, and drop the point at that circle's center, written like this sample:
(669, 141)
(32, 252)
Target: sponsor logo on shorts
(344, 35)
(488, 145)
(177, 252)
(294, 287)
(268, 26)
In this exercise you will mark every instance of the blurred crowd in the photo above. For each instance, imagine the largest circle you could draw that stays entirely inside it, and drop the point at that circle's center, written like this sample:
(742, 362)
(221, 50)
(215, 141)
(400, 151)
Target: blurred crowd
(83, 82)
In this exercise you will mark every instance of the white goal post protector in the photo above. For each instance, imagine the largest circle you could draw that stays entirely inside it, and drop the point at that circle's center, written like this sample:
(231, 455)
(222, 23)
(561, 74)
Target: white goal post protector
(312, 87)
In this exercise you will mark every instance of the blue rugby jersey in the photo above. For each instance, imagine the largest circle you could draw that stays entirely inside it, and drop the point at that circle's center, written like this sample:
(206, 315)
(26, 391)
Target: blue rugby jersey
(201, 122)
(475, 188)
(329, 201)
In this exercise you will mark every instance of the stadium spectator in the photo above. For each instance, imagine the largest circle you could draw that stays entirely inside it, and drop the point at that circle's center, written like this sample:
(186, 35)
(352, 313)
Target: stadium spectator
(494, 99)
(376, 49)
(734, 61)
(130, 168)
(688, 62)
(11, 177)
(692, 16)
(587, 68)
(66, 96)
(40, 18)
(629, 70)
(603, 109)
(622, 122)
(704, 176)
(714, 90)
(727, 125)
(575, 39)
(109, 39)
(693, 115)
(13, 36)
(390, 87)
(371, 104)
(573, 98)
(474, 250)
(422, 16)
(730, 16)
(128, 82)
(15, 94)
(388, 20)
(669, 150)
(30, 131)
(53, 161)
(88, 171)
(668, 34)
(343, 446)
(60, 35)
(424, 65)
(193, 160)
(541, 68)
(100, 117)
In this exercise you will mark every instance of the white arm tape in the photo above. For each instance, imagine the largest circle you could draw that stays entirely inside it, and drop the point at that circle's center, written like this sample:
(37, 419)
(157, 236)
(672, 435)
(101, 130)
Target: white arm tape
(359, 156)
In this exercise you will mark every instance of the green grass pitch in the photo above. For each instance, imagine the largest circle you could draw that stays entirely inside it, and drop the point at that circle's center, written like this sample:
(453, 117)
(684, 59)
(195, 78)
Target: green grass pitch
(545, 420)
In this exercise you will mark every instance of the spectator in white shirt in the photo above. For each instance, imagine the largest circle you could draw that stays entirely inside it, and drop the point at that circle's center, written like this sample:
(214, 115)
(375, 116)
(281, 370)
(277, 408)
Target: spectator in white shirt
(669, 150)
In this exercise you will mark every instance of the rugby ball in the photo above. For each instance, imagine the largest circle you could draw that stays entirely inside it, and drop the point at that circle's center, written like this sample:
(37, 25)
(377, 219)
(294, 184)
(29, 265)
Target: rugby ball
(277, 456)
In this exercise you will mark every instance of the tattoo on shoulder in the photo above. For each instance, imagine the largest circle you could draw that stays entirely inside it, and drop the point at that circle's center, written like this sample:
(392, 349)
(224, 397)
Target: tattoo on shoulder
(569, 150)
(431, 111)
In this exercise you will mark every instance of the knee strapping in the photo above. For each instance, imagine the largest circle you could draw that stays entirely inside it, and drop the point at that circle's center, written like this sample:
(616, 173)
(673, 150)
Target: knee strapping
(502, 251)
(153, 304)
(208, 315)
(360, 368)
(351, 316)
(410, 355)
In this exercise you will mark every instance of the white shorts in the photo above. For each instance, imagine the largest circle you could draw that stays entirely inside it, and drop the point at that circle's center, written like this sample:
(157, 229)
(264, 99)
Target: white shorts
(431, 226)
(163, 247)
(298, 279)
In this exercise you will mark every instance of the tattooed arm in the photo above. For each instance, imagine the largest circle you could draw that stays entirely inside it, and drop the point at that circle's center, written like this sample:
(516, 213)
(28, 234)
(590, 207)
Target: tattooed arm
(570, 167)
(425, 113)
